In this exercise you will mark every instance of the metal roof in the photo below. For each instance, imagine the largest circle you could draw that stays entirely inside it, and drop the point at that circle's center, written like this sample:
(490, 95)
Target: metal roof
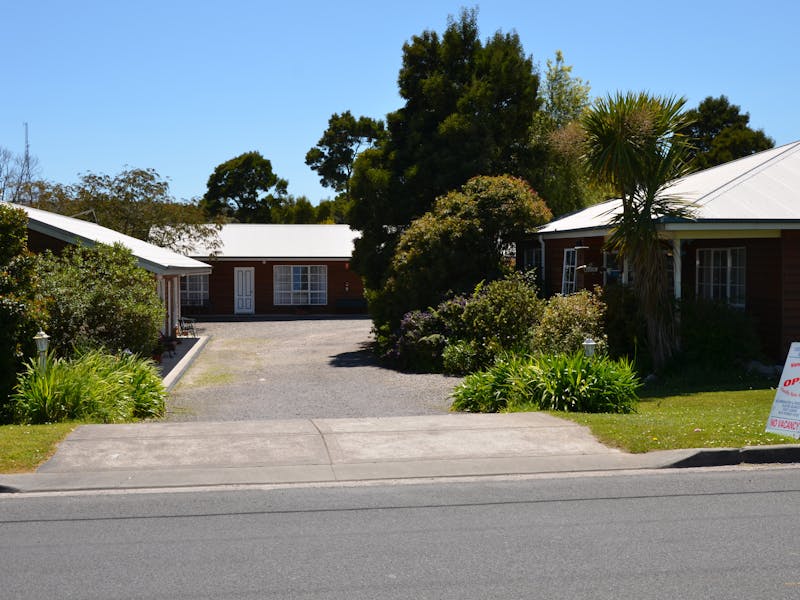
(259, 241)
(155, 259)
(763, 187)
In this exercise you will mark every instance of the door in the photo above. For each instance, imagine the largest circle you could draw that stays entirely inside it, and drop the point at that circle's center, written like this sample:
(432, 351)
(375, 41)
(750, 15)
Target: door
(243, 295)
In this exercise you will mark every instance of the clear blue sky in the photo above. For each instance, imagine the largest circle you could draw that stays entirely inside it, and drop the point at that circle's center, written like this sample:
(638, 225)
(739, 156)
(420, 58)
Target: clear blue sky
(182, 86)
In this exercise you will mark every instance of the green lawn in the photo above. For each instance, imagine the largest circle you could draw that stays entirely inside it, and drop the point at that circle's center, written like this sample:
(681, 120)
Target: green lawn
(25, 447)
(720, 419)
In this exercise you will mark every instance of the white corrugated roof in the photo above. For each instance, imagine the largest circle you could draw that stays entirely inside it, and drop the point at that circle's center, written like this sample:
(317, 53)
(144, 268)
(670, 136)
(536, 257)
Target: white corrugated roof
(758, 188)
(241, 240)
(155, 259)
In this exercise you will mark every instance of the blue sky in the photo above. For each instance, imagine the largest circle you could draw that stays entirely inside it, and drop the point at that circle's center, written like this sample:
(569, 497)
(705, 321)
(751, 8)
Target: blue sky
(182, 86)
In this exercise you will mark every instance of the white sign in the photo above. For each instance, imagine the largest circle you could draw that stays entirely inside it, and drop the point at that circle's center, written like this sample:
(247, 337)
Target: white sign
(785, 416)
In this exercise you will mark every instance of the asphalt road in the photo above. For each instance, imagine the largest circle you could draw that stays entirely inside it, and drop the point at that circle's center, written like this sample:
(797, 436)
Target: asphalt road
(706, 535)
(299, 368)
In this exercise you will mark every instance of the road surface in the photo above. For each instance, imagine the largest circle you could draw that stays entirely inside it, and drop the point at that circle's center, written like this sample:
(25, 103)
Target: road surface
(730, 534)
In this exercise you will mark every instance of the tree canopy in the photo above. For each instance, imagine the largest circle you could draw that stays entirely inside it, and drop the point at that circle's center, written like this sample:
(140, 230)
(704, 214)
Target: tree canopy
(462, 240)
(245, 189)
(336, 151)
(558, 172)
(720, 132)
(135, 202)
(468, 108)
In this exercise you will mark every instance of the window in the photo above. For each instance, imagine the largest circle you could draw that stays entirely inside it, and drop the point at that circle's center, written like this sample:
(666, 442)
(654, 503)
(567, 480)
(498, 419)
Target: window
(612, 270)
(194, 290)
(568, 277)
(300, 284)
(720, 275)
(532, 259)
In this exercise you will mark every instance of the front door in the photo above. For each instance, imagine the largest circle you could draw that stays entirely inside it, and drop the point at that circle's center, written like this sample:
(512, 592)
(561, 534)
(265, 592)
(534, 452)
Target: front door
(243, 296)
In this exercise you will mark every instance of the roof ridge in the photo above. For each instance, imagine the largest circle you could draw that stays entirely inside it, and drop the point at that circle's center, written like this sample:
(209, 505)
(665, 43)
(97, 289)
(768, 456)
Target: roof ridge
(785, 151)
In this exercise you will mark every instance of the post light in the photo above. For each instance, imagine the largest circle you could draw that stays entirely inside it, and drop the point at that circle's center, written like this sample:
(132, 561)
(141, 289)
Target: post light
(589, 346)
(42, 342)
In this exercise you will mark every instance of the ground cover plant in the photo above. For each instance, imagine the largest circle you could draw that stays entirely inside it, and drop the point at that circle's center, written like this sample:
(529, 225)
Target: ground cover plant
(93, 386)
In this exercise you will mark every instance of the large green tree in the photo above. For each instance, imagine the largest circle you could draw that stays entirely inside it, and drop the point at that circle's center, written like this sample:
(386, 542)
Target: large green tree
(720, 132)
(136, 202)
(462, 240)
(468, 108)
(245, 189)
(20, 313)
(633, 142)
(336, 151)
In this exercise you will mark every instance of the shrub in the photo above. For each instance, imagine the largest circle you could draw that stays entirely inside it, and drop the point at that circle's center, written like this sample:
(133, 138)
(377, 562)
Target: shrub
(460, 358)
(19, 311)
(418, 345)
(563, 382)
(500, 316)
(93, 386)
(568, 320)
(626, 330)
(99, 297)
(716, 336)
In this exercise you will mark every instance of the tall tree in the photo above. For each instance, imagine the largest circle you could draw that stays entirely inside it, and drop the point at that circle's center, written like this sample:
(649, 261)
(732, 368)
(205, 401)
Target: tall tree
(136, 202)
(336, 151)
(633, 142)
(720, 132)
(556, 141)
(467, 112)
(245, 188)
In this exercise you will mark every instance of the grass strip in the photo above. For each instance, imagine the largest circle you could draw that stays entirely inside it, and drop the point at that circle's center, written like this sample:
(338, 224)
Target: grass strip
(25, 447)
(727, 419)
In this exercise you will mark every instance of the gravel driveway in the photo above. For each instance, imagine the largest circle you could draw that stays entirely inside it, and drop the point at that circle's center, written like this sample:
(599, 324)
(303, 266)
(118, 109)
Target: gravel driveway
(298, 368)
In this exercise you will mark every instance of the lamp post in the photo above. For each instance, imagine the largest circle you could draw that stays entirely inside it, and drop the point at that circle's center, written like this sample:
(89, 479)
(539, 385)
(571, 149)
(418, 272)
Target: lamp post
(42, 342)
(589, 346)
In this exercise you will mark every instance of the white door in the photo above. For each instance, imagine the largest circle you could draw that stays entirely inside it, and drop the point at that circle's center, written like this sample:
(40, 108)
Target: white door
(243, 296)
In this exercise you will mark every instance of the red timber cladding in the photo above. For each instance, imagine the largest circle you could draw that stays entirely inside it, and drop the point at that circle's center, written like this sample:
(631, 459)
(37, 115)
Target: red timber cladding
(344, 286)
(591, 256)
(790, 293)
(762, 286)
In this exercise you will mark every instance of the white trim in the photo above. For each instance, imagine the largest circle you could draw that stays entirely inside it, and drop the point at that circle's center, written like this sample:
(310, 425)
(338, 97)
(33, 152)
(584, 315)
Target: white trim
(728, 253)
(569, 285)
(314, 286)
(676, 268)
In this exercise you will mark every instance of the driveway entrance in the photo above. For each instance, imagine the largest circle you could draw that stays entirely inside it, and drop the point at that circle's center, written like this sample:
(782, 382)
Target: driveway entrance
(299, 368)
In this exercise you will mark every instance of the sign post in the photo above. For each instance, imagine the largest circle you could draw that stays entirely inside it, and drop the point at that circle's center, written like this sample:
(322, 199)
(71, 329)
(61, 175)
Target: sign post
(784, 419)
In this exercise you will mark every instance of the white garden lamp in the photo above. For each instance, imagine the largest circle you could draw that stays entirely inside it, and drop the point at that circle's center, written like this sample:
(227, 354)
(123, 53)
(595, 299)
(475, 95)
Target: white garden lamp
(42, 342)
(589, 346)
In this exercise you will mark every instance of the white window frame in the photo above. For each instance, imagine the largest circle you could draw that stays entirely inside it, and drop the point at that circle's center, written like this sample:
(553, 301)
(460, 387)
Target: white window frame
(569, 273)
(723, 278)
(300, 285)
(194, 290)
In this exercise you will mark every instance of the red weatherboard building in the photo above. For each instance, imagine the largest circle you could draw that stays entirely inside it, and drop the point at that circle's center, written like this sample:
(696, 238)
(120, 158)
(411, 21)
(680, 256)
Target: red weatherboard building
(741, 245)
(276, 269)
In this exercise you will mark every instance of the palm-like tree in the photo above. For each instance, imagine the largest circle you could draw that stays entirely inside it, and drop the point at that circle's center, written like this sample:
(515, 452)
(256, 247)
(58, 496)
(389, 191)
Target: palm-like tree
(633, 143)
